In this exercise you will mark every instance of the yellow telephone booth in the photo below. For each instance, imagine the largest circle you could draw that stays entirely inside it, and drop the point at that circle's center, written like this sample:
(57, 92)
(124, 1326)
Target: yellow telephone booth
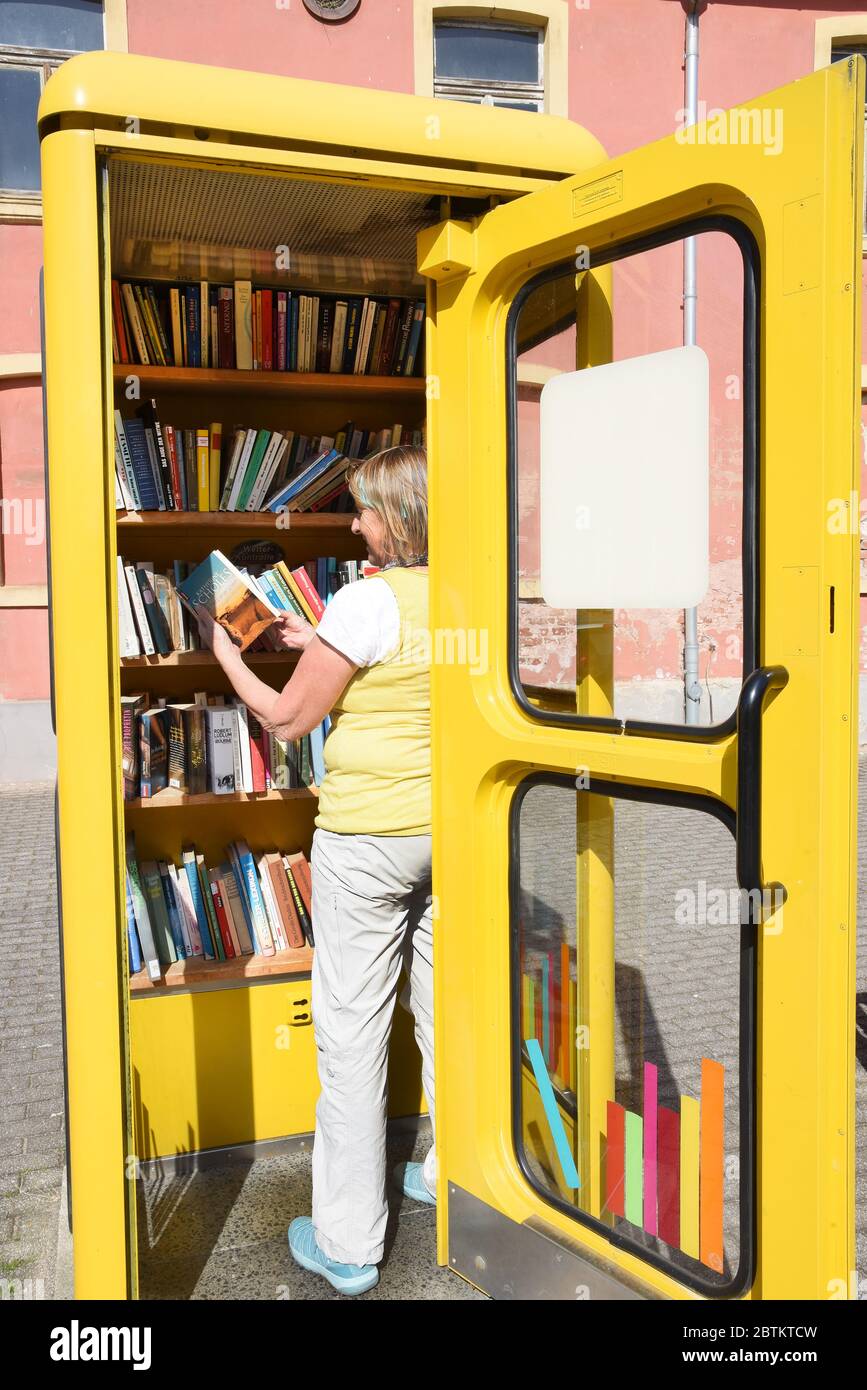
(645, 927)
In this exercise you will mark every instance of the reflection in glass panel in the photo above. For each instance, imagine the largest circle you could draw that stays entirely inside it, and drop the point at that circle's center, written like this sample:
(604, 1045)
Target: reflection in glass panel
(487, 52)
(19, 141)
(70, 25)
(629, 663)
(626, 925)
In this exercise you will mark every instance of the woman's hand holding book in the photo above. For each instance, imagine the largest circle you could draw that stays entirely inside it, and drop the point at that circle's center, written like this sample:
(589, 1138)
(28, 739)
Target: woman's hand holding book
(293, 631)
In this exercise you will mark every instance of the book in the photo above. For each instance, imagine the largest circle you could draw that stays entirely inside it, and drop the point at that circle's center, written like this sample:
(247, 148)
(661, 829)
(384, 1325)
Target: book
(294, 865)
(127, 472)
(148, 489)
(153, 751)
(177, 759)
(188, 859)
(152, 611)
(244, 746)
(221, 917)
(214, 458)
(299, 585)
(137, 606)
(243, 325)
(135, 324)
(219, 726)
(230, 598)
(203, 470)
(158, 912)
(173, 913)
(133, 946)
(234, 908)
(272, 911)
(128, 638)
(243, 895)
(124, 350)
(195, 744)
(210, 912)
(285, 901)
(413, 344)
(142, 917)
(131, 706)
(226, 326)
(184, 896)
(147, 412)
(254, 894)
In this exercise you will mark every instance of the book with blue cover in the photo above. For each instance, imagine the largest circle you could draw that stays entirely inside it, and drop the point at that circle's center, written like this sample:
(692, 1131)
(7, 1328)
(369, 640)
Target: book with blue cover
(308, 474)
(135, 956)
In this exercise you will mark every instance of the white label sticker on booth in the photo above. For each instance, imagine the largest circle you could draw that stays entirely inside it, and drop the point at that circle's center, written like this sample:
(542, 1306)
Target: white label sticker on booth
(624, 483)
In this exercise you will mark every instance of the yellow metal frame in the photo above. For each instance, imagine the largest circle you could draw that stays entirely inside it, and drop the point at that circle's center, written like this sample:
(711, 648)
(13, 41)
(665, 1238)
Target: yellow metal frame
(105, 103)
(801, 206)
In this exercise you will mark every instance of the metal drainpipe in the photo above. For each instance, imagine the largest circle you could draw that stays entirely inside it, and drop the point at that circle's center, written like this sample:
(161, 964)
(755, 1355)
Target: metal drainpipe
(691, 683)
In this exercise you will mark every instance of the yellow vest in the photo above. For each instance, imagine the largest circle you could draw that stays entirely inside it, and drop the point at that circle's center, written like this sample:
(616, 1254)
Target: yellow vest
(377, 753)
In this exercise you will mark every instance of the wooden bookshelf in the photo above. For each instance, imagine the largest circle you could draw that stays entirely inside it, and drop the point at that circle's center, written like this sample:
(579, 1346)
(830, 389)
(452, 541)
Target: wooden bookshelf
(306, 385)
(196, 972)
(204, 657)
(170, 797)
(236, 524)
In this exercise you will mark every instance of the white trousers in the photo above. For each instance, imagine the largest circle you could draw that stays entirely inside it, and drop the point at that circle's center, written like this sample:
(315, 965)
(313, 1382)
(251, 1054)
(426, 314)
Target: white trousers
(372, 914)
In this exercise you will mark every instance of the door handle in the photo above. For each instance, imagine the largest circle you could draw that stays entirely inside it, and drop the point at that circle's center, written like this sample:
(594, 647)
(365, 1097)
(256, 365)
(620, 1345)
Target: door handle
(749, 812)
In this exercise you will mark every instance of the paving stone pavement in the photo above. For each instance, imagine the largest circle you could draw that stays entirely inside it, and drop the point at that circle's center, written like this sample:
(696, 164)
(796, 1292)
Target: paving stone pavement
(32, 1133)
(31, 1068)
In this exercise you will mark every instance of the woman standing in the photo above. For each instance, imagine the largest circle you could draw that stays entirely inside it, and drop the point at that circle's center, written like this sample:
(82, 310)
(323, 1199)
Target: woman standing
(368, 665)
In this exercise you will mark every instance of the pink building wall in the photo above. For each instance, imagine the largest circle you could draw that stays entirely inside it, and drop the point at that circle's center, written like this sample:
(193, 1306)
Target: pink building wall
(625, 84)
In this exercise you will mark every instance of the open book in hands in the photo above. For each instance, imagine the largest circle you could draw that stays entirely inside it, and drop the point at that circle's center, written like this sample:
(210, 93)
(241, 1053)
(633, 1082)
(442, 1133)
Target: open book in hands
(234, 599)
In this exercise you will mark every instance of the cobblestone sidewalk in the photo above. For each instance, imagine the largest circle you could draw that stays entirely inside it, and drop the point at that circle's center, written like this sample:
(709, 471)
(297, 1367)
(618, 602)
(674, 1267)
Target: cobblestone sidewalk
(32, 1139)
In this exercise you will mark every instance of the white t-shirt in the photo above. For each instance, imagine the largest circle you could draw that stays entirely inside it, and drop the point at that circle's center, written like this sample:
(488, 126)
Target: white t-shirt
(362, 621)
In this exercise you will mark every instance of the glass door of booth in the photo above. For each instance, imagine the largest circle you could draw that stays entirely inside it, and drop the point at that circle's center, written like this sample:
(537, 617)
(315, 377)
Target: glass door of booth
(644, 633)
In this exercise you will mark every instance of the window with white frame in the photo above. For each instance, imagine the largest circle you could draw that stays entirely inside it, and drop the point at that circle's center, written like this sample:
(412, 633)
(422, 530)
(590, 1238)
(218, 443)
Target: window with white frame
(35, 38)
(840, 50)
(496, 64)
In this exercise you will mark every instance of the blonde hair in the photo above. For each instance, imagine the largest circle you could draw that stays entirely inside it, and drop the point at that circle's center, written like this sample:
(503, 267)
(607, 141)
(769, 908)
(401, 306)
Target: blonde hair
(393, 483)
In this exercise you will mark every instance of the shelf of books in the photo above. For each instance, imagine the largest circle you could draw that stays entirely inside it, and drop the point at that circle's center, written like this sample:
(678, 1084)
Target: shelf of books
(238, 412)
(240, 404)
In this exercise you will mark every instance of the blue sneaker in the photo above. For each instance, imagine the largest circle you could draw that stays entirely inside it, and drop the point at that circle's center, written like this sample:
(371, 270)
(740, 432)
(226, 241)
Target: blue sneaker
(305, 1252)
(410, 1181)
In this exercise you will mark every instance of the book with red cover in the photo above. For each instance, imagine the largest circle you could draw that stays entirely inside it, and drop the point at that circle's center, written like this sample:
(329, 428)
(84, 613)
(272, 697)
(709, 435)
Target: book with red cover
(119, 325)
(322, 502)
(222, 920)
(389, 339)
(309, 590)
(169, 435)
(267, 300)
(256, 758)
